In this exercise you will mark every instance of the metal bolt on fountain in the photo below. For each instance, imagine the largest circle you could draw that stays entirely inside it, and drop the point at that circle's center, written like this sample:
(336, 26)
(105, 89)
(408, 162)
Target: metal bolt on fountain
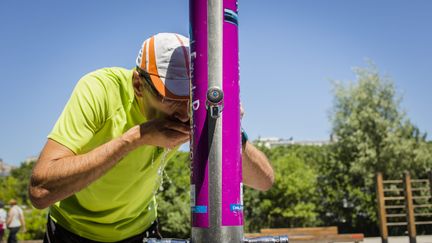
(216, 178)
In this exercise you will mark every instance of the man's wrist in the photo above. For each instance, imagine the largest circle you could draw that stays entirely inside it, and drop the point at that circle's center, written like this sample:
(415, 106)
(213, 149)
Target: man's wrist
(132, 138)
(244, 137)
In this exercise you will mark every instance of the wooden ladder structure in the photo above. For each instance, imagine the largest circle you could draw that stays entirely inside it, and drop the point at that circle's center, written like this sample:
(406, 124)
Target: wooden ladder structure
(400, 202)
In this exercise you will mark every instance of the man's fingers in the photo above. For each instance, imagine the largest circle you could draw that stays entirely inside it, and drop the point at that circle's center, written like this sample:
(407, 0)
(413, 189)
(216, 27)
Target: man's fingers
(166, 133)
(175, 138)
(181, 141)
(185, 140)
(174, 134)
(177, 126)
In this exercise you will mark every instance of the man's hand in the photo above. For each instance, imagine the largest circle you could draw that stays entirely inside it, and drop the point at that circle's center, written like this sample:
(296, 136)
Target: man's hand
(160, 132)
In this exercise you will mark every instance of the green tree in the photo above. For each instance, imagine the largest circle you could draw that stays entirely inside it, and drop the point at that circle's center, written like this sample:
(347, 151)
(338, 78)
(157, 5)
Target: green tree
(312, 155)
(22, 174)
(373, 135)
(291, 200)
(174, 198)
(15, 186)
(35, 224)
(9, 186)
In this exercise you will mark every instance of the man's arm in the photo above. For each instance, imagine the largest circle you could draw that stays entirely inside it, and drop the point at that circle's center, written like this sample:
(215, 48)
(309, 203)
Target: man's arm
(257, 171)
(21, 218)
(59, 173)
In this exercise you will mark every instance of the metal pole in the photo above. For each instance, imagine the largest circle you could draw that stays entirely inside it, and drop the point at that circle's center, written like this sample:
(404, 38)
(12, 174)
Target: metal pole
(430, 184)
(217, 207)
(381, 208)
(409, 208)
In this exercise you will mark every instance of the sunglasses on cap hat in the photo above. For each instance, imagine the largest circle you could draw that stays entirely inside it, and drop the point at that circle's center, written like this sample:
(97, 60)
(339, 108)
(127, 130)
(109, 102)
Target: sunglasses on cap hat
(146, 76)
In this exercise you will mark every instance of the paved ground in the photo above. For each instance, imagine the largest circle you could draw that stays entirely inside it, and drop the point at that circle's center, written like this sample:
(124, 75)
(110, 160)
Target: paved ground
(395, 239)
(400, 239)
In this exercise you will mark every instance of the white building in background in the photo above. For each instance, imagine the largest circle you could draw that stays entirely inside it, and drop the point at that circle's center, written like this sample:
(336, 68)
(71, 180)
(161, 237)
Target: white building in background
(5, 169)
(271, 142)
(30, 159)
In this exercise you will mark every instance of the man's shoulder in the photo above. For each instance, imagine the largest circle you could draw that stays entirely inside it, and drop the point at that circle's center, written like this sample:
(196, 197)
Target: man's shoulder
(111, 72)
(18, 209)
(107, 79)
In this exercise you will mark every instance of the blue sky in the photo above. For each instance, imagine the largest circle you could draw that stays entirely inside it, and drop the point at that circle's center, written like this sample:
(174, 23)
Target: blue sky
(289, 53)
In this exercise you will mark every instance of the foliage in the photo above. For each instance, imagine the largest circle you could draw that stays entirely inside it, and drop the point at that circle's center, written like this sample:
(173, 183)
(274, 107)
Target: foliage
(35, 224)
(291, 201)
(15, 187)
(22, 174)
(373, 135)
(8, 187)
(173, 200)
(313, 156)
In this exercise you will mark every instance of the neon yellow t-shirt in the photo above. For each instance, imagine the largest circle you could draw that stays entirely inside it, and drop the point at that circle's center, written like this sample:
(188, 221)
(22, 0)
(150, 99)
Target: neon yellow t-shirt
(122, 202)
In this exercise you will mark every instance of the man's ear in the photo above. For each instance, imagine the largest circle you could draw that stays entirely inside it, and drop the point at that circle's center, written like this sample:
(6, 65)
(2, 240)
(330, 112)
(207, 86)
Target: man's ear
(137, 84)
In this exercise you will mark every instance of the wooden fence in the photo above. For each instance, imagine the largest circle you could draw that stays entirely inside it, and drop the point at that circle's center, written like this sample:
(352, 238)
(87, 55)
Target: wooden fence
(404, 202)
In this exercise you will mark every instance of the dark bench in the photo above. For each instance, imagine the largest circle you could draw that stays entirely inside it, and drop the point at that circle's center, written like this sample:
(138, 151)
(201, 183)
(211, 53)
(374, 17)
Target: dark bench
(310, 234)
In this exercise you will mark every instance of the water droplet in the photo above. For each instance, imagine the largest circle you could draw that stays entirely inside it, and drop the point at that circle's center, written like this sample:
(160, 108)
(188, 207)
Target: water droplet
(152, 159)
(168, 178)
(150, 206)
(161, 170)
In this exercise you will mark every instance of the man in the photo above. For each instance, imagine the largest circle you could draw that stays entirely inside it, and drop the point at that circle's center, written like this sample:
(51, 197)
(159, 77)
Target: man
(98, 171)
(15, 221)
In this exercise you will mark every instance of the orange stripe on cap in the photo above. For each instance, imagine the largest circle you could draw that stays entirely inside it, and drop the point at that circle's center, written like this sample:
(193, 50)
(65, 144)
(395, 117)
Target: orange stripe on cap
(152, 67)
(154, 75)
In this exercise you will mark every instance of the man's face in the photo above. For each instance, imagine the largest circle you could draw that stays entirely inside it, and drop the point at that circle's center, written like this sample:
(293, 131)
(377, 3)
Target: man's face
(172, 109)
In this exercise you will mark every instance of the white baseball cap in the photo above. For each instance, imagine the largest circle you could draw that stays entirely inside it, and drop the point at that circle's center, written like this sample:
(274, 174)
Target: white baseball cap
(165, 57)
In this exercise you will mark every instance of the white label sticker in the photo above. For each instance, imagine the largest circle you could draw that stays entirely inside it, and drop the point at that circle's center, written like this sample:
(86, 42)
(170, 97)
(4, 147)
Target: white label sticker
(241, 193)
(193, 202)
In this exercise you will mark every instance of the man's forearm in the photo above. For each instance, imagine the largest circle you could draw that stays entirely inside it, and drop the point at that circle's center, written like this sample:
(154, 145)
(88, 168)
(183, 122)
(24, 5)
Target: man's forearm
(9, 219)
(257, 171)
(22, 222)
(56, 177)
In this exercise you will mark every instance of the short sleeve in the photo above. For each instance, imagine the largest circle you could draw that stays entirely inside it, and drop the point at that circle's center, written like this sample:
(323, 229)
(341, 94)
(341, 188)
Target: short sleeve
(83, 115)
(3, 215)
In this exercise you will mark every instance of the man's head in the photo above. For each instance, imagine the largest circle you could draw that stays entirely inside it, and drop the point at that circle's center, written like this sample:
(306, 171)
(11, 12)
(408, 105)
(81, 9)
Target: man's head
(12, 202)
(162, 75)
